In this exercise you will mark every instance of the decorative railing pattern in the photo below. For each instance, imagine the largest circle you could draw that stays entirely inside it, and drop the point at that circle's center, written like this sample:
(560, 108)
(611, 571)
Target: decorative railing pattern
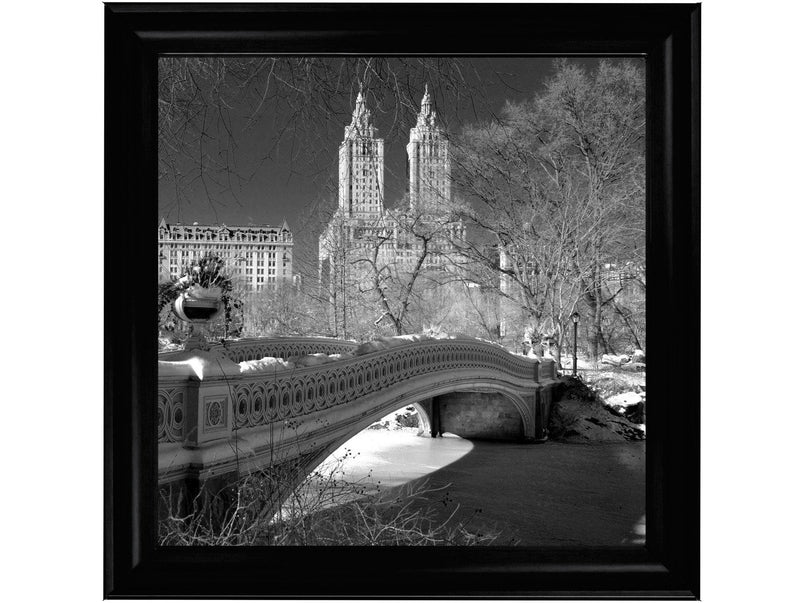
(286, 393)
(239, 350)
(170, 413)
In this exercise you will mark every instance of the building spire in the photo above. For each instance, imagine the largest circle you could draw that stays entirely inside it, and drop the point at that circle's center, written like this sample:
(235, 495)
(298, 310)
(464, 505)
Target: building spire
(361, 118)
(427, 115)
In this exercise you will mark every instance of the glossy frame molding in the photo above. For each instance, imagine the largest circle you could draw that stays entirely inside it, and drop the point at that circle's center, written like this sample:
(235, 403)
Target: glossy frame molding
(668, 36)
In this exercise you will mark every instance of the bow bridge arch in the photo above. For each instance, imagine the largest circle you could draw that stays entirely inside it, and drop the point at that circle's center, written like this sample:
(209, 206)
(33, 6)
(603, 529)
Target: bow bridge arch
(217, 419)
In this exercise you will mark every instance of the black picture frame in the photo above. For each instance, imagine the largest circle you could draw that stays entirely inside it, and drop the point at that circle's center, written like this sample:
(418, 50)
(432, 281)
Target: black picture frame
(668, 36)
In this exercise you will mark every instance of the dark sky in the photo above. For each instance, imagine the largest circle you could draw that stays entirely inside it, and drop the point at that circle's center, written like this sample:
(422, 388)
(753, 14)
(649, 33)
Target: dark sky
(295, 179)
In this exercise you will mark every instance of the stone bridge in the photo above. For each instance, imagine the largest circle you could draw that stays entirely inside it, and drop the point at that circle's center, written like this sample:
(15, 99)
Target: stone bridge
(218, 420)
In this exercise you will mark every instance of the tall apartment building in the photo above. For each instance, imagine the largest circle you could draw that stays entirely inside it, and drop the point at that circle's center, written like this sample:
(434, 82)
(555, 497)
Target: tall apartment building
(257, 256)
(361, 166)
(361, 223)
(429, 185)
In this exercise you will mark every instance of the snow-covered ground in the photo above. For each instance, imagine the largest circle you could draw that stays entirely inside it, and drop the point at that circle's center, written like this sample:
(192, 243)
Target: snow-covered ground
(616, 386)
(577, 417)
(388, 458)
(546, 494)
(549, 494)
(374, 454)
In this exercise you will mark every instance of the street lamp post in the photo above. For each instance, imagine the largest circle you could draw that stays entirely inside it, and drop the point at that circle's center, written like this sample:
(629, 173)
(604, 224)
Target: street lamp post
(575, 318)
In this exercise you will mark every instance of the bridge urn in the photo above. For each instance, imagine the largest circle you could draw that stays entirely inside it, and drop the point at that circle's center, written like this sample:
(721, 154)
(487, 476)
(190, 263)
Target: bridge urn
(198, 306)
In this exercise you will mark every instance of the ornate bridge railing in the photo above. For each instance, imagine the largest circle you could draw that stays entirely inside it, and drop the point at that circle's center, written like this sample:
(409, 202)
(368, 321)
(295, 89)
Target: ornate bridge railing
(255, 348)
(281, 392)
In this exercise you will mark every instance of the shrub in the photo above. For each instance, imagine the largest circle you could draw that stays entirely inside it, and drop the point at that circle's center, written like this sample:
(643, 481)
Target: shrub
(325, 509)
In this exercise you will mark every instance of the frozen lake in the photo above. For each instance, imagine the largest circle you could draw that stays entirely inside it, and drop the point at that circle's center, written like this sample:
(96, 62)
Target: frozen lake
(550, 494)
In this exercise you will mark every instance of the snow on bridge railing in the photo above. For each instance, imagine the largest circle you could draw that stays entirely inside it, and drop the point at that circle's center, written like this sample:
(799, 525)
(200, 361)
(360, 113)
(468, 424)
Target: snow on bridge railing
(278, 390)
(239, 350)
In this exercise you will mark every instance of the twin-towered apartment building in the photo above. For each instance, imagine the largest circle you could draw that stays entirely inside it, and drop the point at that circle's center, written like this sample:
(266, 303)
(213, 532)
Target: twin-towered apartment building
(362, 225)
(263, 255)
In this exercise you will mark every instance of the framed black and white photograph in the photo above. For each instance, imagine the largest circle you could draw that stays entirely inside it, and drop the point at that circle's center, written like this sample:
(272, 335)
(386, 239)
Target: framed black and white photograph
(401, 257)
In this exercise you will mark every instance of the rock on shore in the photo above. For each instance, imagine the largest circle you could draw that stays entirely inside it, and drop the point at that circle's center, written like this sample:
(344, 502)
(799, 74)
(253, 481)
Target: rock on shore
(579, 415)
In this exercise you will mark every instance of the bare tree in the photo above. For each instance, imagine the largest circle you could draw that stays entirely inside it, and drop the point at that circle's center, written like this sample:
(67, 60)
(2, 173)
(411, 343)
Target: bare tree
(604, 115)
(405, 253)
(282, 310)
(558, 185)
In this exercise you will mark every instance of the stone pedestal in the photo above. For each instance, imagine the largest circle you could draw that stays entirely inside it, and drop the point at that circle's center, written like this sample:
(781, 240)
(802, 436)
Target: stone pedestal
(209, 406)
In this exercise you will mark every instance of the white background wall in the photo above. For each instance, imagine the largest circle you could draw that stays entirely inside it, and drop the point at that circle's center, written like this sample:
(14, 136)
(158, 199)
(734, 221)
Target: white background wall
(52, 107)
